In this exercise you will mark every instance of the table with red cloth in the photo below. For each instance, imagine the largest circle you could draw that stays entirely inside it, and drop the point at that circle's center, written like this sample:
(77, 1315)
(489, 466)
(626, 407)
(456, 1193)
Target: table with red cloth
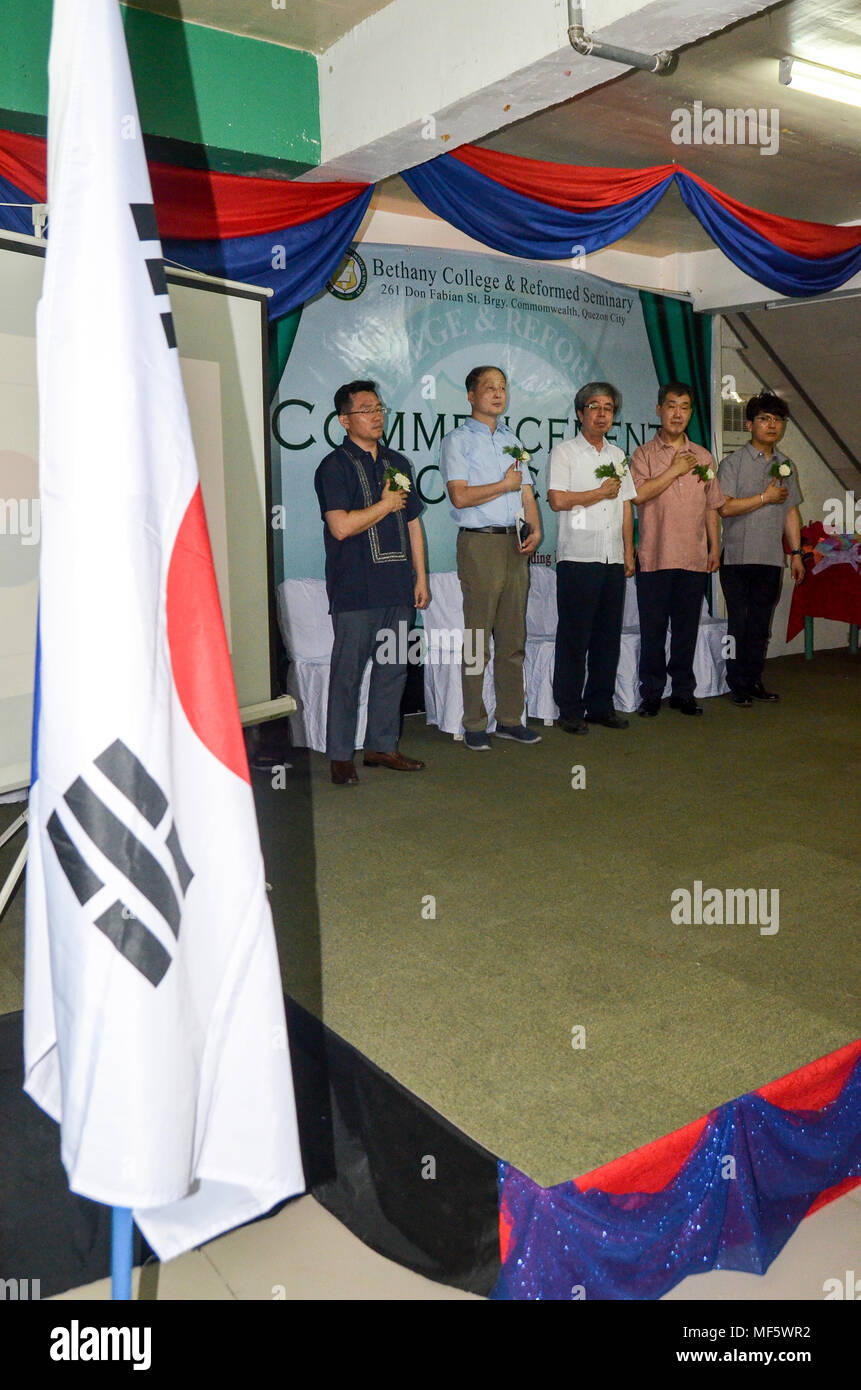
(835, 592)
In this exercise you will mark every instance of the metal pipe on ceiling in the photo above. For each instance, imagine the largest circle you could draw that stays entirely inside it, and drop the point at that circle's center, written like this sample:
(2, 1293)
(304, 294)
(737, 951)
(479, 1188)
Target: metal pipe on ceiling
(659, 63)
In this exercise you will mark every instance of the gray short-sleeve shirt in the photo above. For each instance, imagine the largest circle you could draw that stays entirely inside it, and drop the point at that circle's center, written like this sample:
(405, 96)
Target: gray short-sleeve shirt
(756, 538)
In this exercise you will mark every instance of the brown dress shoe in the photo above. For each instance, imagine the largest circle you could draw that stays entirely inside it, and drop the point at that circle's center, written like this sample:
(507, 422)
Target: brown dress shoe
(344, 774)
(396, 761)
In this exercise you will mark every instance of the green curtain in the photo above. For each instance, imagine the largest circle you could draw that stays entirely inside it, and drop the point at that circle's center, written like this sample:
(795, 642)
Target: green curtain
(681, 351)
(281, 336)
(681, 344)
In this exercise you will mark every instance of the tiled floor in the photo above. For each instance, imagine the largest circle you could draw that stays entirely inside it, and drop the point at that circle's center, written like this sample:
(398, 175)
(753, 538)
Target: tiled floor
(304, 1253)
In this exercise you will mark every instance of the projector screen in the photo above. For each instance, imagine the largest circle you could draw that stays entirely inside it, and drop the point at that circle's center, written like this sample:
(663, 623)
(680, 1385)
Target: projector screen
(221, 336)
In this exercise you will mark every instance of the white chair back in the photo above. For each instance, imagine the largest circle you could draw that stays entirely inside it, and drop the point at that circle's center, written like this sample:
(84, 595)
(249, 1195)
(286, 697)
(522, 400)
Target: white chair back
(541, 611)
(631, 613)
(303, 617)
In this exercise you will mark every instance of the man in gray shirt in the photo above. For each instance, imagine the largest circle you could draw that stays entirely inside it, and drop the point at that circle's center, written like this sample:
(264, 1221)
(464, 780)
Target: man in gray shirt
(760, 510)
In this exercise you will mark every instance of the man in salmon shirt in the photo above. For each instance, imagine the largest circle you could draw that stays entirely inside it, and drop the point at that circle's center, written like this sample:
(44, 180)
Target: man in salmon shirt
(679, 546)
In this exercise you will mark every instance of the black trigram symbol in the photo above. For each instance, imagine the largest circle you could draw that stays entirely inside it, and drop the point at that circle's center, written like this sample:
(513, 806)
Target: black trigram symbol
(144, 216)
(140, 946)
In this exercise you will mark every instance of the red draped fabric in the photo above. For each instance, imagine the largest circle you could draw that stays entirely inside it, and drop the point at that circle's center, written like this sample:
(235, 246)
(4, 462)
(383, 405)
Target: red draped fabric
(200, 203)
(577, 187)
(811, 239)
(651, 1167)
(580, 188)
(197, 203)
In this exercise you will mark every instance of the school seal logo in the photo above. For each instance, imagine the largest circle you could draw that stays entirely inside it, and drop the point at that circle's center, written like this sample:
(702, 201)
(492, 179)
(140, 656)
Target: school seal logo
(350, 279)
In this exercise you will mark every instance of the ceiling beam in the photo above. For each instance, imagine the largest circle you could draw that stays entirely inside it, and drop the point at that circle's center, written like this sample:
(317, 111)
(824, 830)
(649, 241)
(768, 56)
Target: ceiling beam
(418, 78)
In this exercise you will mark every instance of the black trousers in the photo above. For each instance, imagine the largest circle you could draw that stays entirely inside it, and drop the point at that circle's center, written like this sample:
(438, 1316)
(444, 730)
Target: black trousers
(591, 600)
(751, 593)
(674, 598)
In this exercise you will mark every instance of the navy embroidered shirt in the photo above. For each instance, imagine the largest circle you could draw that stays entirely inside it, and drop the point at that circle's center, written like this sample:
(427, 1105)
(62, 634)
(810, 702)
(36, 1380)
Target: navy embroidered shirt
(375, 568)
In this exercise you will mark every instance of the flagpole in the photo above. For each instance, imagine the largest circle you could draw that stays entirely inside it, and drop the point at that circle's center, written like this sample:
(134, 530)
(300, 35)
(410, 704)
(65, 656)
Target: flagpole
(121, 1253)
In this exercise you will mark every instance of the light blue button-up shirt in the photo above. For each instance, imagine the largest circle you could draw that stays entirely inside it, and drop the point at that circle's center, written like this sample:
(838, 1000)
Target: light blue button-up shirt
(475, 455)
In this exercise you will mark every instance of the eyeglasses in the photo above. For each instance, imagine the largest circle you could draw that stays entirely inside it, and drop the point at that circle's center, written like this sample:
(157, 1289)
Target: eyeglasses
(594, 405)
(770, 419)
(367, 410)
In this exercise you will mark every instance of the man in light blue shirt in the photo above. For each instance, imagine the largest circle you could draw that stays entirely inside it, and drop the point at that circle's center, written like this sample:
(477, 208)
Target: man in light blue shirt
(482, 463)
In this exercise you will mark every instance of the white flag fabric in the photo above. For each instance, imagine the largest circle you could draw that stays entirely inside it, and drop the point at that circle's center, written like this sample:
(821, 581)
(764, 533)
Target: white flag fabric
(154, 1019)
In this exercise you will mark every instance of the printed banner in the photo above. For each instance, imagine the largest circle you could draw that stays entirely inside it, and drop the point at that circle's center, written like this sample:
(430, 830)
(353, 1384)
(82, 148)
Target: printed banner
(415, 321)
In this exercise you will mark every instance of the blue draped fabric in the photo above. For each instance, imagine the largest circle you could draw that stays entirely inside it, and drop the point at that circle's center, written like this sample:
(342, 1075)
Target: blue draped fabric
(15, 219)
(295, 263)
(757, 256)
(507, 221)
(713, 1215)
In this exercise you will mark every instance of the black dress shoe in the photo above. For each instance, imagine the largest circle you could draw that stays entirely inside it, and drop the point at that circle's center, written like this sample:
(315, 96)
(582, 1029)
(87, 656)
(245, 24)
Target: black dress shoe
(574, 726)
(738, 697)
(685, 704)
(609, 721)
(649, 708)
(396, 761)
(344, 774)
(759, 692)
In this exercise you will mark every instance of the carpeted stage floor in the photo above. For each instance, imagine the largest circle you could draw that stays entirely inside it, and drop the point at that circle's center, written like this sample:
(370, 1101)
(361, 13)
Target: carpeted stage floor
(553, 913)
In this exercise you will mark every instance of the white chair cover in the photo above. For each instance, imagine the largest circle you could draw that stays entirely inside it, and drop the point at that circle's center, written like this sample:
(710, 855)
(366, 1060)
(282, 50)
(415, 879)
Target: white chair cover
(306, 627)
(443, 624)
(538, 662)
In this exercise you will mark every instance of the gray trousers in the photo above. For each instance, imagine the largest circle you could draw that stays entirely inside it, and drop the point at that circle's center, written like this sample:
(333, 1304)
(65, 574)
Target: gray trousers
(356, 642)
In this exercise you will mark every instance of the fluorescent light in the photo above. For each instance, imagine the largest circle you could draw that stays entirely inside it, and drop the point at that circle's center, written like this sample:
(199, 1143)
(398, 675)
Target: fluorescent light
(820, 81)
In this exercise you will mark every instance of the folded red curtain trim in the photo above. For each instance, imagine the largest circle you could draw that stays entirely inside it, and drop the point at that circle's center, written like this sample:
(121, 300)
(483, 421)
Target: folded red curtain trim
(580, 188)
(197, 203)
(200, 204)
(576, 187)
(811, 239)
(652, 1167)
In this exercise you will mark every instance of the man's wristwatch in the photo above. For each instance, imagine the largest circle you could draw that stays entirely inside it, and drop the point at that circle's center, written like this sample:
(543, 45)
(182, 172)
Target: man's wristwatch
(795, 552)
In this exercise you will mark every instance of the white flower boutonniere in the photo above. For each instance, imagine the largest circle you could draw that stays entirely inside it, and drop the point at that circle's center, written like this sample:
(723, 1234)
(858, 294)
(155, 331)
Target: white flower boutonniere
(394, 479)
(519, 455)
(615, 471)
(781, 470)
(704, 472)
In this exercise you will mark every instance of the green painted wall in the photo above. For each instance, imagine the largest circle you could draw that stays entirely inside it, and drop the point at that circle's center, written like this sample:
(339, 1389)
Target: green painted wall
(25, 29)
(252, 104)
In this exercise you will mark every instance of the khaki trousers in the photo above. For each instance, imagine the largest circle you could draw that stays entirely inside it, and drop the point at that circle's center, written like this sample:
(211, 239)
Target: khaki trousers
(494, 579)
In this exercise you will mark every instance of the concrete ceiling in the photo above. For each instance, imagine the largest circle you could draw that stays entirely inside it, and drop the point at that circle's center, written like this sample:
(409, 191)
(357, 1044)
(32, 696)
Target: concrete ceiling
(310, 24)
(627, 122)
